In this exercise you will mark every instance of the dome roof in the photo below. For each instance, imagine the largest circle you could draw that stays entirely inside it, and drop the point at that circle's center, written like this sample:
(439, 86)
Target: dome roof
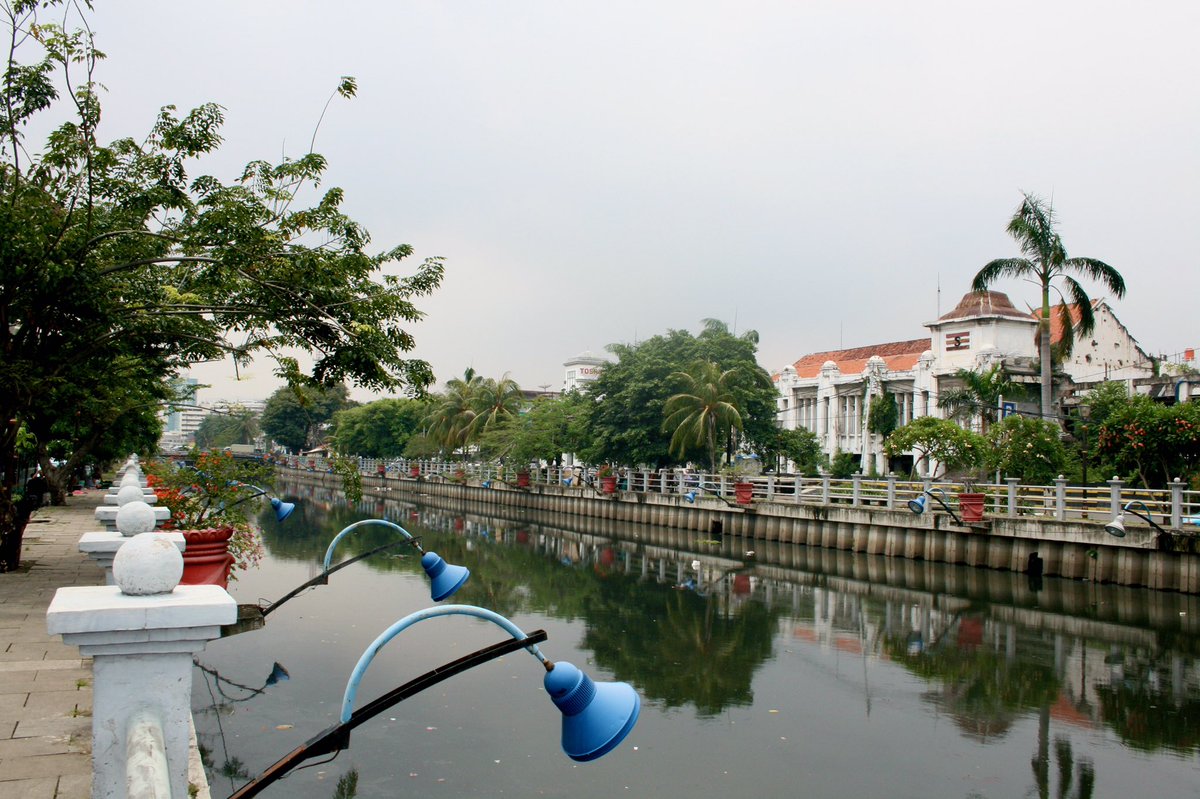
(985, 303)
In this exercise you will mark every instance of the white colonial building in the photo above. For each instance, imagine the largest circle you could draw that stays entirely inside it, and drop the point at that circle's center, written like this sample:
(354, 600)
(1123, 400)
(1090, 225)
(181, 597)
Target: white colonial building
(581, 370)
(830, 393)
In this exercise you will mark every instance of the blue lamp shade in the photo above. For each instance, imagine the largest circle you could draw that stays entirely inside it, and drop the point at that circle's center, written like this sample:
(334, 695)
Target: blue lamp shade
(690, 496)
(567, 481)
(278, 674)
(282, 509)
(917, 505)
(596, 716)
(444, 578)
(486, 484)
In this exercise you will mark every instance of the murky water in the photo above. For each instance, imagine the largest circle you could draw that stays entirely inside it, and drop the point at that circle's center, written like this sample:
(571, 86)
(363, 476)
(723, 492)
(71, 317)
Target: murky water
(785, 671)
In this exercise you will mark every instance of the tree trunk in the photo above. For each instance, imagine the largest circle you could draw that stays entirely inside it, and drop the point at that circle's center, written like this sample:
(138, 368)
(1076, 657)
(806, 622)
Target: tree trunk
(1044, 353)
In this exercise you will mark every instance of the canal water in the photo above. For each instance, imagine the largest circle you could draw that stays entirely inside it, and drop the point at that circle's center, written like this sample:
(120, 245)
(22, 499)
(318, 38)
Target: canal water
(764, 670)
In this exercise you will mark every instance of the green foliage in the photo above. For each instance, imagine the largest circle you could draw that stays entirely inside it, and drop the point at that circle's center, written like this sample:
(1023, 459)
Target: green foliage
(625, 422)
(1149, 443)
(937, 439)
(470, 407)
(883, 416)
(218, 430)
(296, 417)
(979, 394)
(704, 412)
(1044, 262)
(122, 251)
(380, 429)
(843, 465)
(1028, 448)
(802, 448)
(549, 428)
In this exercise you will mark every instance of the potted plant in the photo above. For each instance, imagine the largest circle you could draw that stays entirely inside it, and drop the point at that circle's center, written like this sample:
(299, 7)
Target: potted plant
(209, 502)
(741, 471)
(608, 479)
(971, 502)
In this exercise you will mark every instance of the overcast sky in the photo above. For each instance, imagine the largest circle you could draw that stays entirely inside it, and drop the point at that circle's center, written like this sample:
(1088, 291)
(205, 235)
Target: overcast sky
(596, 172)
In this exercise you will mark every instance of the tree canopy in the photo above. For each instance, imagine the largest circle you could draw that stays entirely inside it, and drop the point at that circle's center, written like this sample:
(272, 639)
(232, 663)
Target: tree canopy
(121, 251)
(298, 417)
(628, 400)
(380, 429)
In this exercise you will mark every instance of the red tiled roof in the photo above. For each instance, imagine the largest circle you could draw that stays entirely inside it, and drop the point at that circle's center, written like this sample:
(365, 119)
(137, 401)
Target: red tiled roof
(1056, 330)
(898, 355)
(984, 303)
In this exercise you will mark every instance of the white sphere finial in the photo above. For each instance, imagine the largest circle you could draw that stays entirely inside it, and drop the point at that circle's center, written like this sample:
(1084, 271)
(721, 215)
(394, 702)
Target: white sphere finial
(129, 493)
(135, 517)
(147, 564)
(131, 478)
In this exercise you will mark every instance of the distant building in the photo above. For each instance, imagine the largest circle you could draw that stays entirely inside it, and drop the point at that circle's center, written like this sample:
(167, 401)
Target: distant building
(830, 392)
(581, 370)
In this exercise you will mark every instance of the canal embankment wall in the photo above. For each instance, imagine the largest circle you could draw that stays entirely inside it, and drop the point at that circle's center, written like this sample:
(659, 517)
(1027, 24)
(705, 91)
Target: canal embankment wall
(1074, 549)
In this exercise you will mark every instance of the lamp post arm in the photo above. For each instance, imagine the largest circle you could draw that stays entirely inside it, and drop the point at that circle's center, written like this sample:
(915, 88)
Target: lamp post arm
(337, 737)
(323, 577)
(421, 615)
(942, 502)
(1144, 515)
(333, 544)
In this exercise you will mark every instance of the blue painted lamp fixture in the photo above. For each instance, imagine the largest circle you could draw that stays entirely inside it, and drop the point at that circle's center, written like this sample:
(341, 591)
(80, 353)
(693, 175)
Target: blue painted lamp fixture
(918, 504)
(692, 495)
(282, 509)
(596, 716)
(444, 578)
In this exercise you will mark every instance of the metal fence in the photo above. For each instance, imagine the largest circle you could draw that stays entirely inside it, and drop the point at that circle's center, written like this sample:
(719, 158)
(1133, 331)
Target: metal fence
(1174, 507)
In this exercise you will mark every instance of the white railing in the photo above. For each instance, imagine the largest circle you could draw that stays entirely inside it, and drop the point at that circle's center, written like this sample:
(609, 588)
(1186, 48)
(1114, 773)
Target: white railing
(1172, 507)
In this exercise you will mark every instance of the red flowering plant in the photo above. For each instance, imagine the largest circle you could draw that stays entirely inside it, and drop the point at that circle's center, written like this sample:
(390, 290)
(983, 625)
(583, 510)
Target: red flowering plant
(214, 489)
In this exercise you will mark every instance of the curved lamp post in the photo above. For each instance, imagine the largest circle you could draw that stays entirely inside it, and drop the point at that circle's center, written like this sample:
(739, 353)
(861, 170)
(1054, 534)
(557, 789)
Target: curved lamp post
(282, 509)
(691, 496)
(445, 578)
(1116, 527)
(917, 505)
(596, 716)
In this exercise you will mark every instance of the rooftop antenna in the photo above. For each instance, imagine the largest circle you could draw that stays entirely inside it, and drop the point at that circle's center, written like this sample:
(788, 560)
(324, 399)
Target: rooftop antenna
(939, 296)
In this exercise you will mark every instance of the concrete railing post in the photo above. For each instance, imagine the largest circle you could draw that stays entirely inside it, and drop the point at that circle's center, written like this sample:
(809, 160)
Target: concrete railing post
(825, 488)
(1060, 498)
(141, 634)
(891, 490)
(1013, 482)
(797, 487)
(856, 478)
(1177, 503)
(770, 488)
(1114, 487)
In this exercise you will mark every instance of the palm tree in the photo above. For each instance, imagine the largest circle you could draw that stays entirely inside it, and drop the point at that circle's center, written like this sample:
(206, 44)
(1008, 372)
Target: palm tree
(717, 327)
(1044, 261)
(704, 411)
(980, 394)
(449, 422)
(493, 402)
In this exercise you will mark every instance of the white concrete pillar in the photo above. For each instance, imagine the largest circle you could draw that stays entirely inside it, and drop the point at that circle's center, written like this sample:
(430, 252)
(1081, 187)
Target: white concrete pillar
(142, 646)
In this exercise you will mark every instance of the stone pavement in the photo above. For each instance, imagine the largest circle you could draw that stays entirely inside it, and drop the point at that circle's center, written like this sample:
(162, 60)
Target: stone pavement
(45, 687)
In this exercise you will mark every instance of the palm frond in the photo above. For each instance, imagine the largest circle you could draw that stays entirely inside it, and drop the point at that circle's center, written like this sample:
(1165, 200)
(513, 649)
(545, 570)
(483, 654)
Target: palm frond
(1100, 272)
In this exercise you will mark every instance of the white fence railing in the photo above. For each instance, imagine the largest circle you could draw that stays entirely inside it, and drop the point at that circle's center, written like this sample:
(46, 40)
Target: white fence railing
(1172, 507)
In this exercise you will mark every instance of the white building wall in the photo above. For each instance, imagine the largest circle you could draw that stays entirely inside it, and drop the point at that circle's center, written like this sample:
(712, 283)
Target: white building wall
(1109, 353)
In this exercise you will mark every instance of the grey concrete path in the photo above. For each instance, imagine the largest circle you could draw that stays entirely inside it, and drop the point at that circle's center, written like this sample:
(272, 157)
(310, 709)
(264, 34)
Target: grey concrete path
(45, 687)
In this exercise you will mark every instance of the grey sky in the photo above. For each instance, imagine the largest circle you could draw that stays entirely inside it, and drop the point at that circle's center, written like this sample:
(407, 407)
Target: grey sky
(599, 171)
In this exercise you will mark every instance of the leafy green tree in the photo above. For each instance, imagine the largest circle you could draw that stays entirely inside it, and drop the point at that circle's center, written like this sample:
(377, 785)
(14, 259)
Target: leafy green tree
(801, 447)
(549, 428)
(705, 412)
(980, 394)
(494, 401)
(118, 250)
(219, 429)
(939, 440)
(451, 419)
(1028, 448)
(380, 429)
(1044, 262)
(1152, 444)
(624, 423)
(297, 417)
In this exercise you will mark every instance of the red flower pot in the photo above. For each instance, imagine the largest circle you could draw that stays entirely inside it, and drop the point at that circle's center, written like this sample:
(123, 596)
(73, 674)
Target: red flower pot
(970, 506)
(608, 485)
(414, 471)
(522, 479)
(743, 493)
(206, 559)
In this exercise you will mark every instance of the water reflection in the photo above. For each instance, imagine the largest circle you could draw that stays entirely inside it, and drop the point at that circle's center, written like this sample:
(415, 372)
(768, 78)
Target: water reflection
(1066, 672)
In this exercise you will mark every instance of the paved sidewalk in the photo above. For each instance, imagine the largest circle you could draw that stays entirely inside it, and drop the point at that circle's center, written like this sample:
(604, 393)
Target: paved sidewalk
(45, 687)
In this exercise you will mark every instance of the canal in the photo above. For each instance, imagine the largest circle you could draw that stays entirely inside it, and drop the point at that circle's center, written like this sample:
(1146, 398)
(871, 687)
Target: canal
(764, 671)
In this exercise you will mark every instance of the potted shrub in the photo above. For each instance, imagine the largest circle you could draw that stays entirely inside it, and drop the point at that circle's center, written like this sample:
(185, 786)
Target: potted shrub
(971, 502)
(608, 479)
(209, 503)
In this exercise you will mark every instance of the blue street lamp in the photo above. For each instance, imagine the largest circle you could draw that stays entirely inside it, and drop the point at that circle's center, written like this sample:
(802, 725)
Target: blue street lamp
(282, 509)
(445, 578)
(919, 504)
(596, 716)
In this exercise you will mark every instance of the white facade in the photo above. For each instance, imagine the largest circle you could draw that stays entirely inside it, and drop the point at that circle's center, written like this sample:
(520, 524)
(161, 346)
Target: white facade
(581, 370)
(830, 393)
